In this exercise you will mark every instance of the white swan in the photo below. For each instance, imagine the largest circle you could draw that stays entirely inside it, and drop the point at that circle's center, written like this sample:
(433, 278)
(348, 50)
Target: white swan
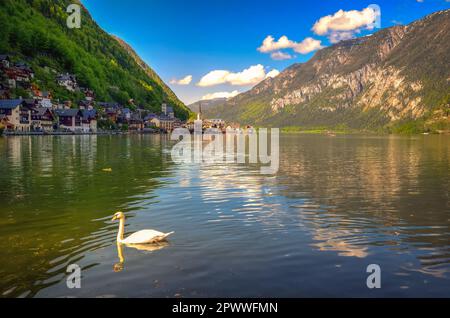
(141, 237)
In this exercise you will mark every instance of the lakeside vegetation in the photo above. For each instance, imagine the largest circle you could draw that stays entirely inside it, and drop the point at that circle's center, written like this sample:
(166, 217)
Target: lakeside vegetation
(317, 130)
(401, 128)
(421, 126)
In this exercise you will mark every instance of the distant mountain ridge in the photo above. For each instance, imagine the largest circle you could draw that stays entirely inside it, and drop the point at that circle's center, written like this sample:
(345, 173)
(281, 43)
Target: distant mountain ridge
(394, 77)
(207, 105)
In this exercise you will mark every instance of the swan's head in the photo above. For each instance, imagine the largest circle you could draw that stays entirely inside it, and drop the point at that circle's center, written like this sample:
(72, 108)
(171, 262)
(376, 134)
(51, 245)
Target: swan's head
(118, 216)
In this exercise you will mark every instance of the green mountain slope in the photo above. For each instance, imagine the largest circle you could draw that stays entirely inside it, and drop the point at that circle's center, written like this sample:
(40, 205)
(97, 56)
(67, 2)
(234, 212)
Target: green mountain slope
(397, 78)
(36, 31)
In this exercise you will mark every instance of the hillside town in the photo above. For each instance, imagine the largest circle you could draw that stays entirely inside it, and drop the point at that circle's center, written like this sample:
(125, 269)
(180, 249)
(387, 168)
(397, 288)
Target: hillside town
(40, 113)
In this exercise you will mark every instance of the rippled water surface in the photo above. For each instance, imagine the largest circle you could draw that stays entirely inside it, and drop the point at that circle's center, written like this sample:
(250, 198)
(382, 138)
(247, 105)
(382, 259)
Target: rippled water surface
(335, 206)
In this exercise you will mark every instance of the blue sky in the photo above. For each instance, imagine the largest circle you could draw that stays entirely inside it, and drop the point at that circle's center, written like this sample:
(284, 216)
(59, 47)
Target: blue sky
(182, 38)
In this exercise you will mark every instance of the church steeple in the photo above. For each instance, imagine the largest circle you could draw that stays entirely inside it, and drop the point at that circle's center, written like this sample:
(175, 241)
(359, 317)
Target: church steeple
(199, 115)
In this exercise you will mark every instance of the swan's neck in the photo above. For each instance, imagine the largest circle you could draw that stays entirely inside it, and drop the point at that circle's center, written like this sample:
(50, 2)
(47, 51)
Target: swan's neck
(121, 230)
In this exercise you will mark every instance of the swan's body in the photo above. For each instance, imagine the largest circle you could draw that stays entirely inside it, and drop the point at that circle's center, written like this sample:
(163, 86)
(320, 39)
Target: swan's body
(140, 237)
(145, 237)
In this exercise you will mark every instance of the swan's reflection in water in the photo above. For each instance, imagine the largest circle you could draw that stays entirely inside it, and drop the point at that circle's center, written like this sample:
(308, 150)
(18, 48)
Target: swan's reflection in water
(118, 267)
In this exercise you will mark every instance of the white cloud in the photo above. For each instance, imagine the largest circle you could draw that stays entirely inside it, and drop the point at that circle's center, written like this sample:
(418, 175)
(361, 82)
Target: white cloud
(252, 75)
(279, 56)
(344, 21)
(273, 73)
(220, 95)
(306, 46)
(270, 45)
(184, 81)
(214, 78)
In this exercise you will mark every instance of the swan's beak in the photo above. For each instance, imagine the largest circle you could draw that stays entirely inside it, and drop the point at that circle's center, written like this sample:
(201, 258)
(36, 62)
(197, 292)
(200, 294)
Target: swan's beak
(114, 218)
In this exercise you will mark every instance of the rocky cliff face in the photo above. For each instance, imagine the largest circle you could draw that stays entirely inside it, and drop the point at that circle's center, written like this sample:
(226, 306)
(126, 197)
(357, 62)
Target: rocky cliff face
(397, 74)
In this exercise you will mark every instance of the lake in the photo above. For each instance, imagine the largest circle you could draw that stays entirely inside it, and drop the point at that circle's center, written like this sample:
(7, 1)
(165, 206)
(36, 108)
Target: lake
(336, 205)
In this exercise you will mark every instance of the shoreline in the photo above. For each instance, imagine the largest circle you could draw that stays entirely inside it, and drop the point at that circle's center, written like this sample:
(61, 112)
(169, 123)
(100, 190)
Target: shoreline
(103, 133)
(331, 132)
(288, 132)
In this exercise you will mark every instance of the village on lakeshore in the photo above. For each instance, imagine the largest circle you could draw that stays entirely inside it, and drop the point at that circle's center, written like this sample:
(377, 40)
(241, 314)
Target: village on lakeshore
(40, 114)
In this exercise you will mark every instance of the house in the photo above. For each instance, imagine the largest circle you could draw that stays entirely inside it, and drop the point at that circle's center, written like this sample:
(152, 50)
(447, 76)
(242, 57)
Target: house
(135, 122)
(150, 116)
(84, 104)
(163, 122)
(68, 81)
(148, 119)
(216, 123)
(111, 110)
(140, 109)
(31, 103)
(88, 94)
(5, 61)
(4, 92)
(177, 123)
(108, 105)
(20, 73)
(112, 115)
(15, 114)
(25, 69)
(125, 115)
(155, 122)
(167, 110)
(190, 125)
(45, 99)
(38, 94)
(4, 123)
(89, 121)
(42, 119)
(11, 83)
(70, 119)
(45, 102)
(130, 118)
(46, 94)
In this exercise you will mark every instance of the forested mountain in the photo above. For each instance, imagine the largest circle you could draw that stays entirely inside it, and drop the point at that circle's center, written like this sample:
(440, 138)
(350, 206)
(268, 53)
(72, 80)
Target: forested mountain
(35, 31)
(397, 78)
